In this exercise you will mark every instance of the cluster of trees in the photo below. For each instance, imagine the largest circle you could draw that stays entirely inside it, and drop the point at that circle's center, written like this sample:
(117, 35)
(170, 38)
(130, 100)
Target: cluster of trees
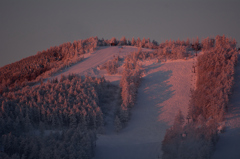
(131, 61)
(67, 144)
(130, 81)
(208, 103)
(215, 75)
(111, 66)
(188, 42)
(174, 52)
(191, 140)
(71, 107)
(177, 49)
(170, 50)
(46, 62)
(144, 43)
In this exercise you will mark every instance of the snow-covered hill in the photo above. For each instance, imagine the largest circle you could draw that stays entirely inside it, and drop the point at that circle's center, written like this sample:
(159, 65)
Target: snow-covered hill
(164, 90)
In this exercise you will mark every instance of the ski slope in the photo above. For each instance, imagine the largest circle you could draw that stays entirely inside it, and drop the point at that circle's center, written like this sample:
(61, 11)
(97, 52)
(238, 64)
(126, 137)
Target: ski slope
(164, 90)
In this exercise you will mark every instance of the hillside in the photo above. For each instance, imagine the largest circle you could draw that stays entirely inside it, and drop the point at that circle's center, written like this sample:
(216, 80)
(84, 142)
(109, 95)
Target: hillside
(107, 99)
(164, 90)
(91, 60)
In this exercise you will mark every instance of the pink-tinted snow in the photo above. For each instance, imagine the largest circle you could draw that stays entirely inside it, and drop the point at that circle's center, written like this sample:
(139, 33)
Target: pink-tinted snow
(164, 90)
(89, 65)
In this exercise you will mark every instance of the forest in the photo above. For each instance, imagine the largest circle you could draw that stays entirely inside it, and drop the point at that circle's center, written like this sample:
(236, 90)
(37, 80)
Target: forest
(68, 106)
(44, 63)
(60, 118)
(56, 116)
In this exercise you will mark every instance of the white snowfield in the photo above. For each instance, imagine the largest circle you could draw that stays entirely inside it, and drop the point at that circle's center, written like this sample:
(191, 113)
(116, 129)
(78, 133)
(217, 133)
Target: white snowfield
(96, 58)
(228, 145)
(164, 90)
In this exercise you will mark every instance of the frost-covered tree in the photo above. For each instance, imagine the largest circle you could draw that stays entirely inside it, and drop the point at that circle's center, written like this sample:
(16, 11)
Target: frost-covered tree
(24, 117)
(117, 124)
(143, 43)
(179, 119)
(138, 42)
(113, 40)
(123, 40)
(133, 42)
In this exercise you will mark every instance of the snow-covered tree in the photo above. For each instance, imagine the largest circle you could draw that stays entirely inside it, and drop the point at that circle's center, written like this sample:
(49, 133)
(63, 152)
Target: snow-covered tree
(133, 42)
(117, 124)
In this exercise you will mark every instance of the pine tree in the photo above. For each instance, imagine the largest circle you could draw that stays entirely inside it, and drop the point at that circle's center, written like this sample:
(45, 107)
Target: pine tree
(41, 128)
(133, 43)
(73, 121)
(117, 124)
(143, 43)
(28, 125)
(113, 40)
(123, 40)
(178, 120)
(138, 42)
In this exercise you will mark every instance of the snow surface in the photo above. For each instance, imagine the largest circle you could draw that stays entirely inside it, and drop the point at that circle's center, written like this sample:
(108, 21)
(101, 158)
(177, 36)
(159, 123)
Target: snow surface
(164, 90)
(91, 60)
(228, 145)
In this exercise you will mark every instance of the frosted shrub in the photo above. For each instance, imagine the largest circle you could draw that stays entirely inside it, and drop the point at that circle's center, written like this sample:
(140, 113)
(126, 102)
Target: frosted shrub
(111, 66)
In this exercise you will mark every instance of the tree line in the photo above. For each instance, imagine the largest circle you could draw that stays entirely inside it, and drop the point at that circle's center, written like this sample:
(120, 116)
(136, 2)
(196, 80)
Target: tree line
(33, 69)
(44, 63)
(129, 83)
(208, 103)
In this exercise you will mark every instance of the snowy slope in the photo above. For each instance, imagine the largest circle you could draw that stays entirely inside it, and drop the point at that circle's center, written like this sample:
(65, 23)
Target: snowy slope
(89, 65)
(228, 145)
(164, 90)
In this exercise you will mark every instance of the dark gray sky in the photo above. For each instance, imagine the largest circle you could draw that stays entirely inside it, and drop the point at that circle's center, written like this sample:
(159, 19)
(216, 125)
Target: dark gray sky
(29, 26)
